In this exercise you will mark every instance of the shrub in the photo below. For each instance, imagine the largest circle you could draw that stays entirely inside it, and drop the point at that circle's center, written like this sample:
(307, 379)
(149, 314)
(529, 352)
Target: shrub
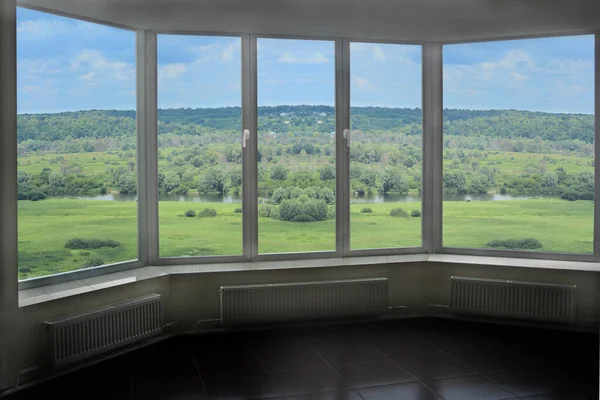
(327, 173)
(415, 213)
(265, 210)
(303, 209)
(398, 213)
(24, 270)
(366, 210)
(238, 210)
(190, 213)
(180, 190)
(36, 196)
(81, 244)
(208, 212)
(515, 244)
(93, 262)
(279, 173)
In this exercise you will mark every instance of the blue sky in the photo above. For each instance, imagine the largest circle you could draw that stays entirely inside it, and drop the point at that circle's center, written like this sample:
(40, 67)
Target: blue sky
(65, 65)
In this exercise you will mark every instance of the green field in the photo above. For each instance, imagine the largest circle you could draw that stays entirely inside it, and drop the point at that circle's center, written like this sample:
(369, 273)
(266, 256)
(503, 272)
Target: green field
(45, 227)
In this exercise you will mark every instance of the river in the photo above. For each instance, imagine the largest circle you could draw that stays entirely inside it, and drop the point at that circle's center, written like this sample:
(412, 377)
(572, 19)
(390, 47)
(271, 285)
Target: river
(377, 198)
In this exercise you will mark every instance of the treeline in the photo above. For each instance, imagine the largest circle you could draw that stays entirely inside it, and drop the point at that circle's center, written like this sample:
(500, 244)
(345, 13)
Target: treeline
(507, 124)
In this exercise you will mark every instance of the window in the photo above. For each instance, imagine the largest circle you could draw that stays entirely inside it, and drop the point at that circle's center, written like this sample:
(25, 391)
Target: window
(519, 145)
(296, 145)
(76, 144)
(199, 145)
(385, 150)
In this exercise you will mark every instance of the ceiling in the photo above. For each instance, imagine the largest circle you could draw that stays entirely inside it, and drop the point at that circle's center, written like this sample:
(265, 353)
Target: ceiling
(403, 20)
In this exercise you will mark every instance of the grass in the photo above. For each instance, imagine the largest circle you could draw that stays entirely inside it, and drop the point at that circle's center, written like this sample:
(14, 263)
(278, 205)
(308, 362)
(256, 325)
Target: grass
(45, 227)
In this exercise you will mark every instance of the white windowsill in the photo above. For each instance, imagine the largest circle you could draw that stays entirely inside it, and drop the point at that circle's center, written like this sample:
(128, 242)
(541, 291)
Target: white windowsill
(43, 294)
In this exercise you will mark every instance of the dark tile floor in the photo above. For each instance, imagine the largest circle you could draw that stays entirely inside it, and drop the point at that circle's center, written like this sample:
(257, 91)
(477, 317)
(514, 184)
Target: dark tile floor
(416, 359)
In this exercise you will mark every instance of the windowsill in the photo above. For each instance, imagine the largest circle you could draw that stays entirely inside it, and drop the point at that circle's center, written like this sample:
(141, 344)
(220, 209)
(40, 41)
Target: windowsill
(43, 294)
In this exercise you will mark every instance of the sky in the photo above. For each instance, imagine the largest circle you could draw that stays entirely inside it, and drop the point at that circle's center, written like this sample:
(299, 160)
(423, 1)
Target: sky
(68, 65)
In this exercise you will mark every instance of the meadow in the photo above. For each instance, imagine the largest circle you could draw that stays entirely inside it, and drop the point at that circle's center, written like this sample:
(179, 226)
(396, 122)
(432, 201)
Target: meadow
(45, 227)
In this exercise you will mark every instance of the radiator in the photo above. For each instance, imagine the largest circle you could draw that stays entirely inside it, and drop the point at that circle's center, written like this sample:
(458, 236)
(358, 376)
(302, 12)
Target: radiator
(514, 299)
(76, 337)
(303, 300)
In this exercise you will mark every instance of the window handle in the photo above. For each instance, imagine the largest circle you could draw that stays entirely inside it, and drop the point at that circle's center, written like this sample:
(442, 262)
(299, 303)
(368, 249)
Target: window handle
(245, 137)
(347, 136)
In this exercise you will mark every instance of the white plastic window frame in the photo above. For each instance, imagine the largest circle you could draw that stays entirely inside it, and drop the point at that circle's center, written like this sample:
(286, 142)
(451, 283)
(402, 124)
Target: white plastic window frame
(432, 100)
(543, 255)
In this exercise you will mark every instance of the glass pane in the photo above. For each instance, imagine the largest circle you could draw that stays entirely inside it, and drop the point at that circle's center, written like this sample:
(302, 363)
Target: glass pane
(199, 146)
(76, 144)
(519, 145)
(385, 151)
(296, 144)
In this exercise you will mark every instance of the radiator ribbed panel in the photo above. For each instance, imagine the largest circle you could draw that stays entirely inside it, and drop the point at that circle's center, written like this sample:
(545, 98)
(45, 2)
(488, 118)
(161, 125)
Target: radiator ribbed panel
(516, 299)
(308, 300)
(97, 331)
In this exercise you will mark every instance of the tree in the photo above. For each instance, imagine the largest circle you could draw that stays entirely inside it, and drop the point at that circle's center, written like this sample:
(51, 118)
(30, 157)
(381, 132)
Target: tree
(455, 182)
(479, 183)
(171, 182)
(213, 181)
(236, 177)
(393, 181)
(327, 173)
(368, 177)
(279, 173)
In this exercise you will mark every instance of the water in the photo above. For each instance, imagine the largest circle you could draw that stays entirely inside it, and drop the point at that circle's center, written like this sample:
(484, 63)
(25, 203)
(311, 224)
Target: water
(356, 199)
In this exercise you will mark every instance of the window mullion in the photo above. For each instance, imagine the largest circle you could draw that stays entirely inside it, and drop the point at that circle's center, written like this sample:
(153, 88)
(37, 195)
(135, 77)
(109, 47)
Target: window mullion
(342, 111)
(432, 182)
(147, 147)
(596, 146)
(249, 153)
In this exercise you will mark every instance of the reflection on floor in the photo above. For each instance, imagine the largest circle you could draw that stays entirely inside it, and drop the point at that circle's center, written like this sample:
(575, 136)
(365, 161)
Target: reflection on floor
(418, 359)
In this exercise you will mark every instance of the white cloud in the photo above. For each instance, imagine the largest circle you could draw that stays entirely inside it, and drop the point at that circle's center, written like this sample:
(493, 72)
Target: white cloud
(41, 28)
(228, 52)
(361, 82)
(89, 77)
(94, 61)
(291, 58)
(171, 71)
(379, 54)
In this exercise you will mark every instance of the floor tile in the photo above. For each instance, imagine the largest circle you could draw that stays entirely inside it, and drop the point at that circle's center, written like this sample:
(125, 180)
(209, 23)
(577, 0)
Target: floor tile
(170, 390)
(338, 395)
(305, 381)
(285, 357)
(403, 391)
(399, 348)
(349, 353)
(434, 366)
(524, 383)
(232, 385)
(470, 387)
(373, 374)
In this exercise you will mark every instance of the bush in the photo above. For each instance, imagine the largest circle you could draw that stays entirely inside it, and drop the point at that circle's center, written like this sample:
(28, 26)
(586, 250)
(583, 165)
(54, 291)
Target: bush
(279, 173)
(398, 213)
(190, 213)
(265, 210)
(327, 173)
(208, 212)
(415, 213)
(36, 196)
(515, 244)
(93, 262)
(81, 244)
(238, 210)
(180, 190)
(366, 210)
(303, 209)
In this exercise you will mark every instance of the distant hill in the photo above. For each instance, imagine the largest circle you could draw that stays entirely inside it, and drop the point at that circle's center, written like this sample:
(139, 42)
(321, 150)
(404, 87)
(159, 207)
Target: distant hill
(484, 123)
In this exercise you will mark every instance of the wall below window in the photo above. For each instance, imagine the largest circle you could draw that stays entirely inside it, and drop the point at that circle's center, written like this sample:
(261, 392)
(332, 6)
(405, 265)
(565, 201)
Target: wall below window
(189, 298)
